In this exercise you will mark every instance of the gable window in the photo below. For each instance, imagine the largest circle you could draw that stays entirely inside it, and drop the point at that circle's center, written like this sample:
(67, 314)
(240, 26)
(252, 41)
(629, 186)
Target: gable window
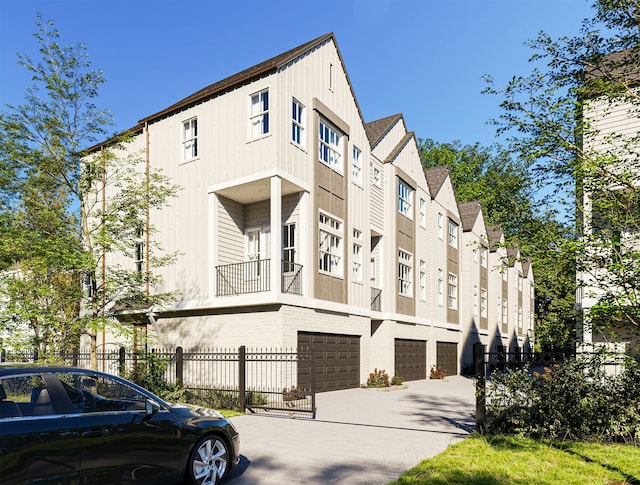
(330, 145)
(189, 139)
(297, 122)
(423, 212)
(330, 245)
(440, 225)
(453, 234)
(453, 292)
(405, 196)
(405, 267)
(259, 114)
(357, 255)
(357, 166)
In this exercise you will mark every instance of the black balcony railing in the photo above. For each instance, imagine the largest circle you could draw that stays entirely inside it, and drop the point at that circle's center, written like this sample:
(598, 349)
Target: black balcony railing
(254, 277)
(375, 299)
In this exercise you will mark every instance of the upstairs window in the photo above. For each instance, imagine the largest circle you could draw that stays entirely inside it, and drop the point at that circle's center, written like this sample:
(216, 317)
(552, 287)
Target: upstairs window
(330, 245)
(259, 114)
(453, 234)
(423, 281)
(377, 177)
(440, 285)
(405, 268)
(357, 255)
(297, 122)
(405, 199)
(357, 166)
(453, 292)
(189, 139)
(423, 212)
(483, 257)
(483, 303)
(440, 225)
(330, 146)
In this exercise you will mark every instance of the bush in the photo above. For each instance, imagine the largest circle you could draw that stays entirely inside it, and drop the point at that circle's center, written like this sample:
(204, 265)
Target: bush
(396, 380)
(437, 373)
(573, 400)
(378, 378)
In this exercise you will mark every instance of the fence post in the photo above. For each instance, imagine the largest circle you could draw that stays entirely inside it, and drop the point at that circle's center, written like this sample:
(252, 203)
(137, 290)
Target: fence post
(242, 374)
(313, 381)
(481, 388)
(179, 366)
(121, 361)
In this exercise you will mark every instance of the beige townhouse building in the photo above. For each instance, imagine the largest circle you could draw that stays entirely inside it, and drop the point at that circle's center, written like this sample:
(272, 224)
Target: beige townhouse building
(300, 224)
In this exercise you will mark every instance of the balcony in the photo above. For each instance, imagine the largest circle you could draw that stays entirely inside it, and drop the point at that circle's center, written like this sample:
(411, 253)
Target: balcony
(255, 277)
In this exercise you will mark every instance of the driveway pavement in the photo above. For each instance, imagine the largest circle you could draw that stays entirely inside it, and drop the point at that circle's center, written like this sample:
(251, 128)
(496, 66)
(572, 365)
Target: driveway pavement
(359, 436)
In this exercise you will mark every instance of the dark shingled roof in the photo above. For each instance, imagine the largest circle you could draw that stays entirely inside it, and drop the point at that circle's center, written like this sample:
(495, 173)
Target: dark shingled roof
(435, 178)
(494, 234)
(469, 212)
(526, 267)
(376, 130)
(513, 254)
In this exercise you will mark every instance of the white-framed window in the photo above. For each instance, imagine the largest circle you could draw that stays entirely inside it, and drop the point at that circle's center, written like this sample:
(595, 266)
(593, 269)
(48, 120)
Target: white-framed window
(475, 300)
(330, 245)
(330, 145)
(453, 234)
(357, 165)
(259, 114)
(505, 311)
(297, 122)
(483, 256)
(288, 247)
(377, 177)
(483, 303)
(253, 253)
(499, 310)
(405, 199)
(423, 281)
(440, 285)
(189, 139)
(453, 292)
(423, 212)
(357, 255)
(440, 225)
(405, 270)
(520, 317)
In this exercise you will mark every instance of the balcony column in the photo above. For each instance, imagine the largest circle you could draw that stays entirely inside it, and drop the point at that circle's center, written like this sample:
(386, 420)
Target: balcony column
(276, 234)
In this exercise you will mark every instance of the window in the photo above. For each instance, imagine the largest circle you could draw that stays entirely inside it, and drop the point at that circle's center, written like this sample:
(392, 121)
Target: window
(139, 250)
(189, 139)
(288, 247)
(499, 311)
(253, 268)
(483, 256)
(475, 300)
(483, 303)
(330, 245)
(259, 114)
(405, 196)
(357, 255)
(453, 292)
(440, 287)
(423, 281)
(423, 212)
(520, 279)
(91, 393)
(440, 225)
(520, 317)
(357, 166)
(377, 177)
(330, 146)
(405, 266)
(505, 313)
(297, 122)
(453, 234)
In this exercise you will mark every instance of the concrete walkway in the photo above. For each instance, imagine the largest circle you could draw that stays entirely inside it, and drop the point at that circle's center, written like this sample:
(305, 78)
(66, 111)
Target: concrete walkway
(359, 436)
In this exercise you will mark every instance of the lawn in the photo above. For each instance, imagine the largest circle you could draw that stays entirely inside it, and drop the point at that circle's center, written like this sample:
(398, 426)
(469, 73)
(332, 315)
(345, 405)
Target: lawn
(493, 460)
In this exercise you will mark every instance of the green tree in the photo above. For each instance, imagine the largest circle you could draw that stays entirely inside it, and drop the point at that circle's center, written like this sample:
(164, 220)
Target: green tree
(553, 117)
(72, 220)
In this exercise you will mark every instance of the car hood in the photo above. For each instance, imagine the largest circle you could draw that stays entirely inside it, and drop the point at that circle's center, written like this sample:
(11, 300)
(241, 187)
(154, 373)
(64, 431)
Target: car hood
(199, 411)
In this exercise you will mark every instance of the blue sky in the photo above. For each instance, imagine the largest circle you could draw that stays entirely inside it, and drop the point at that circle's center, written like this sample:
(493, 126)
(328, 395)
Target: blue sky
(423, 58)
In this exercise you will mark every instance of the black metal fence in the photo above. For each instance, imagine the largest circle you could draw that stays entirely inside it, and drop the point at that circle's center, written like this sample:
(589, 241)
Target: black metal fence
(263, 380)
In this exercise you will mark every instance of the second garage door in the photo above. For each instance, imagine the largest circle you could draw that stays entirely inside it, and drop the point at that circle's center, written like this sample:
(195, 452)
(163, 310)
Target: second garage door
(411, 359)
(337, 361)
(447, 357)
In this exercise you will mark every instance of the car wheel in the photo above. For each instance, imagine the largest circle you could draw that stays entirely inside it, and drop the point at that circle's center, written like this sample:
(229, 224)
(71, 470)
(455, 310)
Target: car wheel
(209, 461)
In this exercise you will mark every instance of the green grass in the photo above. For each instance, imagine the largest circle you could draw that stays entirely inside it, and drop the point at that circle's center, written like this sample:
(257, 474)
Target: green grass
(493, 460)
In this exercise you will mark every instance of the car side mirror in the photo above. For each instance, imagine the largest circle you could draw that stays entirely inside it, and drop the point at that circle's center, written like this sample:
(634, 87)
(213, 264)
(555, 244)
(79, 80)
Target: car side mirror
(151, 407)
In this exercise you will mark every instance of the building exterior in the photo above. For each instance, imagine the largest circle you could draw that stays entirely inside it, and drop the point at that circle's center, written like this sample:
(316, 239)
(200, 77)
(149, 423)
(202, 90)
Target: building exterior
(300, 224)
(611, 144)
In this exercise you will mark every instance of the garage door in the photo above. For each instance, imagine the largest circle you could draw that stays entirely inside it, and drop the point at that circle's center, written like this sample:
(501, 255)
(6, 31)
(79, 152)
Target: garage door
(447, 357)
(411, 359)
(337, 361)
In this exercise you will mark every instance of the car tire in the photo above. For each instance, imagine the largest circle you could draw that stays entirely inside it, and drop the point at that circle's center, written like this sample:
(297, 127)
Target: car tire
(209, 461)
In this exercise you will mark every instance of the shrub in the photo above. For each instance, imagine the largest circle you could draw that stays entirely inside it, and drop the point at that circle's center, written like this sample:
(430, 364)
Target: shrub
(378, 378)
(573, 400)
(396, 380)
(437, 373)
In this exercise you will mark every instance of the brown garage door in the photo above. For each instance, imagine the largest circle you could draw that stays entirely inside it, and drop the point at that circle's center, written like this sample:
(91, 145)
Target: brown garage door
(447, 357)
(337, 361)
(411, 359)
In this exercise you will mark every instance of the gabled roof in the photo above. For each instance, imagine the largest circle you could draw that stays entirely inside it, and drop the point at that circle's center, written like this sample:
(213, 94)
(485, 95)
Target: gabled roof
(435, 178)
(513, 254)
(376, 130)
(526, 267)
(494, 235)
(400, 146)
(469, 212)
(259, 70)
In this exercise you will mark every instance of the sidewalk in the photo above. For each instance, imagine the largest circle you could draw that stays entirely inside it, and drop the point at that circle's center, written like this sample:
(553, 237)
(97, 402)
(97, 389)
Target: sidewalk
(359, 435)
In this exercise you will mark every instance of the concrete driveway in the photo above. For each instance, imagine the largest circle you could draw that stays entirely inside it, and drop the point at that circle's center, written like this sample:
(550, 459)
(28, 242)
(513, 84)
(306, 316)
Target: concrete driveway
(359, 435)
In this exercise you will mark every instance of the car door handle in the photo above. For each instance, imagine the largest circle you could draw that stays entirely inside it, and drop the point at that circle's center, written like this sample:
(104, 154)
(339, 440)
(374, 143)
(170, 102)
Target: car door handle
(95, 433)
